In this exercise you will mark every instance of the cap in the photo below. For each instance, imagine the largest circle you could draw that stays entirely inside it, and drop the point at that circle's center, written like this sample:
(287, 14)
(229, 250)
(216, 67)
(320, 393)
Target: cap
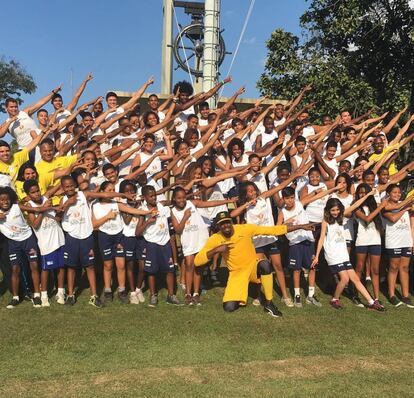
(222, 217)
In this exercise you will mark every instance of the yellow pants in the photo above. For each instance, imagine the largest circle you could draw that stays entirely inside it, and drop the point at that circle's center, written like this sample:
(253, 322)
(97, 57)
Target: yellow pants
(238, 284)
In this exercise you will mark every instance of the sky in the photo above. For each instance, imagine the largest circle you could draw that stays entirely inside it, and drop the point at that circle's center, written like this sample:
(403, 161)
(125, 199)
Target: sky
(120, 42)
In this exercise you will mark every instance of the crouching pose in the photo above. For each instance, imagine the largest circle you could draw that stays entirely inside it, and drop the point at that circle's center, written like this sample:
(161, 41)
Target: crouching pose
(234, 243)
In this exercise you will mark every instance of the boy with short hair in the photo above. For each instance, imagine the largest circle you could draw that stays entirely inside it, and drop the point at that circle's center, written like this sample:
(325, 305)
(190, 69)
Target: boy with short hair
(157, 252)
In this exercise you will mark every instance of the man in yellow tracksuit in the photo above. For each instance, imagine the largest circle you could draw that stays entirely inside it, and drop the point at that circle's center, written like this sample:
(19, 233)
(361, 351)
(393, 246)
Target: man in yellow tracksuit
(234, 243)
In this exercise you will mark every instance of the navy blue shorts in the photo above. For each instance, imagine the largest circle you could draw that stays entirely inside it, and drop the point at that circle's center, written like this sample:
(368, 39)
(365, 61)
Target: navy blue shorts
(336, 268)
(157, 258)
(133, 247)
(21, 250)
(400, 252)
(78, 252)
(111, 246)
(53, 260)
(374, 250)
(301, 254)
(268, 250)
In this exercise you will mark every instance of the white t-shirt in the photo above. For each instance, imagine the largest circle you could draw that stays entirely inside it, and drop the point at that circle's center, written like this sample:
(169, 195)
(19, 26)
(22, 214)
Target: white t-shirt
(20, 129)
(209, 213)
(195, 233)
(315, 209)
(62, 117)
(261, 214)
(182, 117)
(158, 232)
(299, 216)
(14, 226)
(154, 167)
(111, 115)
(334, 246)
(348, 222)
(129, 229)
(50, 234)
(308, 131)
(398, 234)
(368, 235)
(77, 219)
(110, 227)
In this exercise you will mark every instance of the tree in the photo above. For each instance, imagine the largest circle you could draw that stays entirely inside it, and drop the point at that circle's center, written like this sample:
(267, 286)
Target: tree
(356, 53)
(14, 80)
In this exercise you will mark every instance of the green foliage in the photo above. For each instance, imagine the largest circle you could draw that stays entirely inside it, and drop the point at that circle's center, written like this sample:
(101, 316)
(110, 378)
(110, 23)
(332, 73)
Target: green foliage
(14, 80)
(355, 53)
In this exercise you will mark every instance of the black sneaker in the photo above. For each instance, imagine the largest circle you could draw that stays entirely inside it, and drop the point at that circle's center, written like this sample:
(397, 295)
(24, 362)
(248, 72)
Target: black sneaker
(173, 300)
(37, 302)
(123, 296)
(13, 304)
(395, 302)
(70, 300)
(357, 301)
(272, 310)
(108, 296)
(297, 302)
(376, 306)
(95, 301)
(407, 301)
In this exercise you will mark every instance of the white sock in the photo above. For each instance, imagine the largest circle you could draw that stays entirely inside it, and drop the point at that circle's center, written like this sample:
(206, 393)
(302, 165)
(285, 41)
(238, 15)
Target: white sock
(297, 291)
(371, 301)
(368, 278)
(195, 294)
(44, 294)
(137, 290)
(36, 295)
(15, 297)
(311, 291)
(61, 291)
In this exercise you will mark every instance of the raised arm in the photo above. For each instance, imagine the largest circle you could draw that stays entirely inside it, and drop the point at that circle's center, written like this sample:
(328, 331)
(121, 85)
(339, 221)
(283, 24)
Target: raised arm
(394, 121)
(35, 107)
(402, 131)
(72, 104)
(137, 95)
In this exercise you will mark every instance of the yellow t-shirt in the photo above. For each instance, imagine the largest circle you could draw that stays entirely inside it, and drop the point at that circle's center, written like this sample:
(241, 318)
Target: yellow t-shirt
(377, 157)
(45, 181)
(12, 169)
(243, 253)
(44, 168)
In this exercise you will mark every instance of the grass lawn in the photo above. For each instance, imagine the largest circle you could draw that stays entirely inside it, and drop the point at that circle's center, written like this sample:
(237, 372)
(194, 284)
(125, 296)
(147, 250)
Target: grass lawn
(137, 351)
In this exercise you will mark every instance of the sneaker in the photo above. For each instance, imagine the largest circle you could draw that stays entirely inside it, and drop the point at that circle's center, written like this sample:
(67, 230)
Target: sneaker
(173, 300)
(140, 295)
(314, 301)
(70, 300)
(60, 298)
(379, 304)
(37, 302)
(288, 302)
(256, 302)
(108, 296)
(336, 304)
(133, 298)
(153, 300)
(375, 306)
(12, 304)
(95, 301)
(196, 299)
(28, 296)
(407, 301)
(123, 296)
(395, 302)
(45, 302)
(357, 301)
(272, 310)
(188, 300)
(298, 302)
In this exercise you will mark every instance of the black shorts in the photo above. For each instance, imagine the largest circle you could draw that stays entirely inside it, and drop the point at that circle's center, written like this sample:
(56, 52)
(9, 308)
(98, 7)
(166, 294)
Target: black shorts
(268, 250)
(157, 258)
(111, 246)
(337, 268)
(78, 252)
(133, 247)
(400, 252)
(21, 250)
(301, 254)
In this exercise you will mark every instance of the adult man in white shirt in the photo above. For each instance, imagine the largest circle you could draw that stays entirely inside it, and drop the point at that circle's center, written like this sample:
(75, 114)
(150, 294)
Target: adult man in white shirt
(21, 127)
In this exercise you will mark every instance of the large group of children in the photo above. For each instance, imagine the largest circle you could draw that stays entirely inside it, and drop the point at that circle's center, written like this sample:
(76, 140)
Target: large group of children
(136, 194)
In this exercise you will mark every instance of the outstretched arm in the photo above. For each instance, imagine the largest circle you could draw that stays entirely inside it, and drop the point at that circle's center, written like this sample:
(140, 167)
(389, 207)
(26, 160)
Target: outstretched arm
(35, 107)
(72, 104)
